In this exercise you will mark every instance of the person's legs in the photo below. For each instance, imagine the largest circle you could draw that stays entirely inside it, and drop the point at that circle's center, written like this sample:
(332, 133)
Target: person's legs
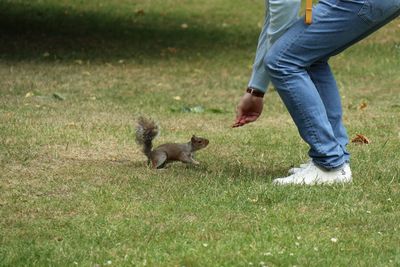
(322, 77)
(336, 25)
(279, 16)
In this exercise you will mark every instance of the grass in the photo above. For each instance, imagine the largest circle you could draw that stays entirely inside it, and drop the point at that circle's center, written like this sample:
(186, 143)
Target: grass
(75, 189)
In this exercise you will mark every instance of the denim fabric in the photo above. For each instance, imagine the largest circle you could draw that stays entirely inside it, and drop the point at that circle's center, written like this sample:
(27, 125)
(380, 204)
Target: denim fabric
(299, 69)
(279, 16)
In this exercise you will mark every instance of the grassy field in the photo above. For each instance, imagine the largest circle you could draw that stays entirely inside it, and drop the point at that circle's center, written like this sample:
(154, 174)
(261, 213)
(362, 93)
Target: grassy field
(75, 189)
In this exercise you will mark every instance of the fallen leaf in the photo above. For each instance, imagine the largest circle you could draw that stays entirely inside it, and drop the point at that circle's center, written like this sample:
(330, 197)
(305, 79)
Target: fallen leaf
(360, 139)
(172, 50)
(139, 12)
(29, 94)
(362, 106)
(71, 125)
(253, 200)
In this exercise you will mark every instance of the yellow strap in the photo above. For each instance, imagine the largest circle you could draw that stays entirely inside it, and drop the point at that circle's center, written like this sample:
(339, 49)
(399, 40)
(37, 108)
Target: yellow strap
(308, 12)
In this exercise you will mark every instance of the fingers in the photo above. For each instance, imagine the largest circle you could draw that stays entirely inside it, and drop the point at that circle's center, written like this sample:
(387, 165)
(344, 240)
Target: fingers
(240, 118)
(239, 115)
(237, 124)
(240, 121)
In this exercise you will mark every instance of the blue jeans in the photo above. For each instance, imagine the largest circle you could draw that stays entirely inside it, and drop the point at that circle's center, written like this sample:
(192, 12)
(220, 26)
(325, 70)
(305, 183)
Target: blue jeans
(299, 69)
(279, 16)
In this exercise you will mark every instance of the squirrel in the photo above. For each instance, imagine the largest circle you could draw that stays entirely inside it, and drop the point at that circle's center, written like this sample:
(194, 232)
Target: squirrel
(147, 130)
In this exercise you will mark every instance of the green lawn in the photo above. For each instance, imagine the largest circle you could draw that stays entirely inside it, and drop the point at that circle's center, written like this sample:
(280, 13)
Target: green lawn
(75, 189)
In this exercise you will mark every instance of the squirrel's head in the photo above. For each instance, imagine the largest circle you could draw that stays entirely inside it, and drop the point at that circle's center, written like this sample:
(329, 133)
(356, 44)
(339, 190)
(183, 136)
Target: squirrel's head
(199, 142)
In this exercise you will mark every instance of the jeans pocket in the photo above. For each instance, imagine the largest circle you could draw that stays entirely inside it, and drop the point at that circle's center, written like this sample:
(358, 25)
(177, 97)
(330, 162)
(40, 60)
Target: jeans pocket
(376, 11)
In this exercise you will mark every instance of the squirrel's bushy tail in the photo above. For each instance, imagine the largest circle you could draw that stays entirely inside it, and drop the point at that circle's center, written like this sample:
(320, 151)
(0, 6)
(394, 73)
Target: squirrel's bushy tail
(146, 131)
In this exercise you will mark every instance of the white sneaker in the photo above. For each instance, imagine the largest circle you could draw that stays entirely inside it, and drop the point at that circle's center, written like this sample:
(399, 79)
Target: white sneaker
(313, 174)
(302, 166)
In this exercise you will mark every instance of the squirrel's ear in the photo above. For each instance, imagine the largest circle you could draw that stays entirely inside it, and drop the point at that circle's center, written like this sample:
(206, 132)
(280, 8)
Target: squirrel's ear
(193, 137)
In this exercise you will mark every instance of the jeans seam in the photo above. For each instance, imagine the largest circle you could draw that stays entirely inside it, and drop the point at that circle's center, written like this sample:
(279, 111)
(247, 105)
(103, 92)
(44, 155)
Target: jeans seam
(362, 15)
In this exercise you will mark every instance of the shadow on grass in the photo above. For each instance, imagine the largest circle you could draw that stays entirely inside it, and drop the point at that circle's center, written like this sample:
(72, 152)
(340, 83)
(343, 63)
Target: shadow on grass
(225, 173)
(233, 172)
(48, 32)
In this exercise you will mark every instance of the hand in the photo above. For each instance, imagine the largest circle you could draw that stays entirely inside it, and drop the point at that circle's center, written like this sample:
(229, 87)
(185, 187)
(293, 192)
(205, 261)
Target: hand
(248, 110)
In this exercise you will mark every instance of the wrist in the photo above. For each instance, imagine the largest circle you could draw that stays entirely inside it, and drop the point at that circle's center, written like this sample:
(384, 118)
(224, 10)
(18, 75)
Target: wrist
(255, 92)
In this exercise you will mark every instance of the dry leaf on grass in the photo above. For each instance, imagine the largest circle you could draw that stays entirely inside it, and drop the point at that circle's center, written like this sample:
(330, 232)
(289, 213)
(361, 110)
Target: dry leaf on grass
(362, 106)
(360, 139)
(140, 12)
(172, 50)
(29, 94)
